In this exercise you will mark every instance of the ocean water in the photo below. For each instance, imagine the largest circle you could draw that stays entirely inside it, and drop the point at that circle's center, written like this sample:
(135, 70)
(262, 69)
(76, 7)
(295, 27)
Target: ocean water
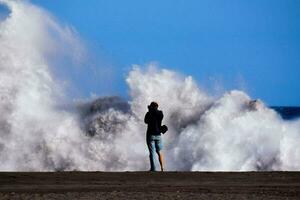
(287, 112)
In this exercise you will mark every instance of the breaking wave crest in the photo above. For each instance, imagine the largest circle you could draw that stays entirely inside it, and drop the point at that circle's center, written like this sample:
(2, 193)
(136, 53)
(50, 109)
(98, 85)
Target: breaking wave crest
(37, 133)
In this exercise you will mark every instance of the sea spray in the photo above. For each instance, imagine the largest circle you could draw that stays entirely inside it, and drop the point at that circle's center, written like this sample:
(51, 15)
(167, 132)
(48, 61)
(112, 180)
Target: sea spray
(35, 133)
(215, 134)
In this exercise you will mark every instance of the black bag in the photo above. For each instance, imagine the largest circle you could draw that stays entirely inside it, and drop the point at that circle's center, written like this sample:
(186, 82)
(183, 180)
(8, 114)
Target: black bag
(163, 129)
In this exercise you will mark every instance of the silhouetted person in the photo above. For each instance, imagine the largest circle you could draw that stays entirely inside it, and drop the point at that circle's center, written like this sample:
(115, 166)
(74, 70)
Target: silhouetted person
(154, 141)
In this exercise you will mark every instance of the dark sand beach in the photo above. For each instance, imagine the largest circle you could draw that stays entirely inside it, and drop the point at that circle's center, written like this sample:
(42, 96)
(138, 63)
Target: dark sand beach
(150, 185)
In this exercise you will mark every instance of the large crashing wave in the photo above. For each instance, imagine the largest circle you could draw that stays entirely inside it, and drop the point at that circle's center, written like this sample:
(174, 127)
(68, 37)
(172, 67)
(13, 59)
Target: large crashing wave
(215, 134)
(35, 134)
(205, 133)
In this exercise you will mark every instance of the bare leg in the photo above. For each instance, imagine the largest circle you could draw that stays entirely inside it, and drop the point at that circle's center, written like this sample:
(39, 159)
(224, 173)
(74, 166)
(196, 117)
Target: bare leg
(161, 160)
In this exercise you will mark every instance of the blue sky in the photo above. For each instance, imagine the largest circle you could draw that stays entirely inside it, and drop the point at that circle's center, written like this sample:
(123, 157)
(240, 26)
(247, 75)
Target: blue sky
(250, 44)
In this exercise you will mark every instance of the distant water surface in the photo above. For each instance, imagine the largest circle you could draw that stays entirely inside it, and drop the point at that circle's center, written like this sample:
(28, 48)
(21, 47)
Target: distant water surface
(287, 112)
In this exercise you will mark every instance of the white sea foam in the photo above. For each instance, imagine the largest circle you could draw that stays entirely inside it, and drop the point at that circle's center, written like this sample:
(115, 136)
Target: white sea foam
(205, 133)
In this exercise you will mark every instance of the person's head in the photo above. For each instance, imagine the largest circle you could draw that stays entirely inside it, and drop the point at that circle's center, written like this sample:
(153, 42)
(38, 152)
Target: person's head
(153, 106)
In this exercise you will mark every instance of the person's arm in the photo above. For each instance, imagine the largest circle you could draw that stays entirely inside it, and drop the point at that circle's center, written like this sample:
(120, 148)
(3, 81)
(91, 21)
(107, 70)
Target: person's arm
(161, 116)
(146, 119)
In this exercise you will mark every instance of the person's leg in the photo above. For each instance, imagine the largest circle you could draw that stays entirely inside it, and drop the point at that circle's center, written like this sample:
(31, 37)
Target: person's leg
(161, 160)
(158, 148)
(151, 146)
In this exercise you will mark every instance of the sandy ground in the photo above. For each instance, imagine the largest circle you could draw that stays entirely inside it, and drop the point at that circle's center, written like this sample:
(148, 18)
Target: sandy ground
(150, 185)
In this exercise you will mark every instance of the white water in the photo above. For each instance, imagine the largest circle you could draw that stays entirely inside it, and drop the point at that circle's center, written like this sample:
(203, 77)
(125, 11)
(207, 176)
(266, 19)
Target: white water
(38, 134)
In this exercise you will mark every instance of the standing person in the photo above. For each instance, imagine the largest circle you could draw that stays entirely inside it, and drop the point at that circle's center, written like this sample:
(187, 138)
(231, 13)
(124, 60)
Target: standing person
(154, 141)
